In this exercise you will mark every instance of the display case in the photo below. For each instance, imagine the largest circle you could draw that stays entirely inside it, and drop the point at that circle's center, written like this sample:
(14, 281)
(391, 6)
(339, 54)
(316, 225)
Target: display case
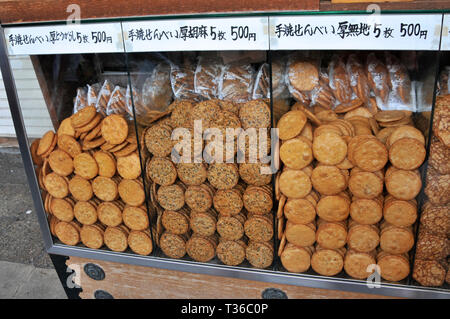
(132, 174)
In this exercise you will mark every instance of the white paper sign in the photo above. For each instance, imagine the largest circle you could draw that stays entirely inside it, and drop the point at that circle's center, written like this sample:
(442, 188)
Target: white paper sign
(445, 43)
(249, 33)
(65, 38)
(356, 32)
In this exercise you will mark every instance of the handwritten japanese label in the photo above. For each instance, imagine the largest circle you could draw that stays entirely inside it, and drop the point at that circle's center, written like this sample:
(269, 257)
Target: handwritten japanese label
(59, 39)
(197, 34)
(364, 32)
(445, 42)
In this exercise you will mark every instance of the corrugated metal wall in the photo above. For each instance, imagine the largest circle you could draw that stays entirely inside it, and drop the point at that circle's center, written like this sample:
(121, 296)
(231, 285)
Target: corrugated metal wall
(36, 117)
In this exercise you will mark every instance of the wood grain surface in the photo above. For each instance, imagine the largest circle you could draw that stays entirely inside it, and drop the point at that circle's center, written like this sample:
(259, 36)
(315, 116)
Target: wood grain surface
(128, 281)
(15, 11)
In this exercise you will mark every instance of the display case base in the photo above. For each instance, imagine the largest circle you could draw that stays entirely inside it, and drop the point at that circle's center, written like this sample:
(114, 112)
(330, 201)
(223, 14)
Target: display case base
(101, 279)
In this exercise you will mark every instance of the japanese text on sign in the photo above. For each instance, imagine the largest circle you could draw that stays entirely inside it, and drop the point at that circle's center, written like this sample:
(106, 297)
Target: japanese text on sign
(202, 34)
(64, 39)
(356, 32)
(345, 29)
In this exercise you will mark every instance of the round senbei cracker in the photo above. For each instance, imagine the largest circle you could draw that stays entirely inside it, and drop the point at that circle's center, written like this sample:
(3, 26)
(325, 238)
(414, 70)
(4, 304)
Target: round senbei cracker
(192, 173)
(129, 166)
(85, 166)
(231, 252)
(259, 228)
(231, 227)
(370, 155)
(66, 128)
(114, 129)
(327, 262)
(105, 188)
(333, 208)
(365, 185)
(60, 162)
(403, 184)
(363, 238)
(56, 185)
(85, 213)
(37, 160)
(329, 148)
(296, 259)
(259, 255)
(291, 124)
(405, 131)
(68, 233)
(91, 125)
(393, 267)
(135, 218)
(80, 188)
(61, 209)
(299, 211)
(199, 198)
(396, 240)
(357, 263)
(328, 180)
(83, 116)
(389, 116)
(116, 238)
(69, 145)
(45, 143)
(158, 140)
(366, 211)
(161, 170)
(296, 153)
(400, 213)
(228, 202)
(299, 234)
(258, 200)
(407, 153)
(175, 222)
(201, 248)
(223, 175)
(295, 184)
(255, 114)
(106, 163)
(331, 235)
(171, 197)
(109, 214)
(92, 236)
(131, 192)
(252, 173)
(140, 242)
(173, 245)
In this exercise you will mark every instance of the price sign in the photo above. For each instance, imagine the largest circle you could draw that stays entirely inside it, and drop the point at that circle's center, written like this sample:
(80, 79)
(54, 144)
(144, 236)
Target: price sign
(65, 38)
(356, 32)
(445, 42)
(197, 34)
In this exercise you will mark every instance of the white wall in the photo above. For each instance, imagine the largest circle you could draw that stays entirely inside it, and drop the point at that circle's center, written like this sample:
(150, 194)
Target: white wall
(34, 110)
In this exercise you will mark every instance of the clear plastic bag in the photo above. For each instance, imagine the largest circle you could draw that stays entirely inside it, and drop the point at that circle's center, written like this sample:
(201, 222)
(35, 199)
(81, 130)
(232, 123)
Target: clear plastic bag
(117, 102)
(92, 93)
(379, 81)
(80, 100)
(261, 89)
(358, 78)
(182, 82)
(103, 97)
(339, 80)
(443, 84)
(400, 96)
(157, 90)
(302, 76)
(206, 77)
(322, 95)
(236, 82)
